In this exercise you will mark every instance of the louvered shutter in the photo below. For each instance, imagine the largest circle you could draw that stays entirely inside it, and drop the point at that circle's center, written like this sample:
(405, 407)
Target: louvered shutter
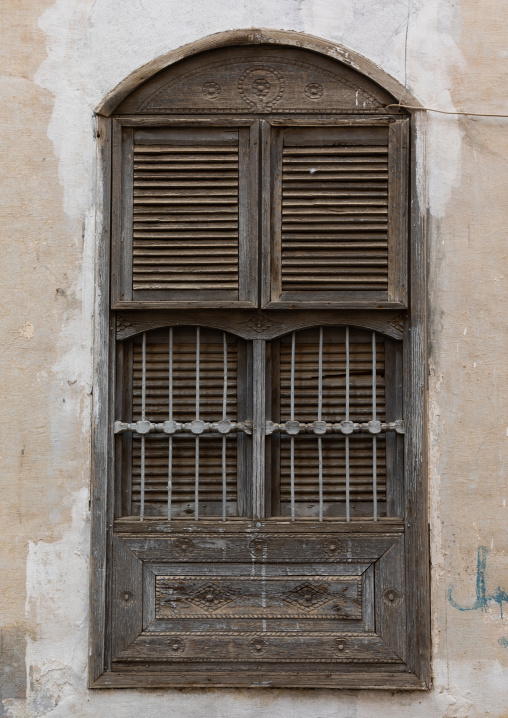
(333, 410)
(183, 232)
(175, 459)
(338, 228)
(184, 399)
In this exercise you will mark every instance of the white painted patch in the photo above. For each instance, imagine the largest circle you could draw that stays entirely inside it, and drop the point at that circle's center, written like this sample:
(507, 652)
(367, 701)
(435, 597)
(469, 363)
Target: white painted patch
(27, 331)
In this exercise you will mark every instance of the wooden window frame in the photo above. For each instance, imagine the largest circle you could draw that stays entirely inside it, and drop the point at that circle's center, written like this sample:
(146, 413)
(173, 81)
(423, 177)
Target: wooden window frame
(413, 325)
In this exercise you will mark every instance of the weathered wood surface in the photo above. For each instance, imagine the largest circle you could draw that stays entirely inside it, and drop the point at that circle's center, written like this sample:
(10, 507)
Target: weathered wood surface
(262, 79)
(270, 648)
(343, 677)
(260, 324)
(216, 547)
(258, 428)
(100, 419)
(331, 226)
(398, 245)
(331, 553)
(131, 525)
(391, 598)
(331, 205)
(278, 547)
(415, 449)
(127, 596)
(232, 597)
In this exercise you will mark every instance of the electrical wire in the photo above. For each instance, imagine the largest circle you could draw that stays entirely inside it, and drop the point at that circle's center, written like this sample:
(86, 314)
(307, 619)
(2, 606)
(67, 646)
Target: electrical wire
(445, 112)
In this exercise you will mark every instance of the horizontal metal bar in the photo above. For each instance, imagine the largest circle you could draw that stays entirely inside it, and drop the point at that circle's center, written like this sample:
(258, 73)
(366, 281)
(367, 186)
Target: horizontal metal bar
(292, 428)
(191, 428)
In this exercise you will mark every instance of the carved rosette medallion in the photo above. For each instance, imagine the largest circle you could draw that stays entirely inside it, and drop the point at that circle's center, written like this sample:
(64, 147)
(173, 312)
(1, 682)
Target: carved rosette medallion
(182, 546)
(258, 646)
(391, 597)
(314, 91)
(332, 547)
(211, 90)
(261, 87)
(258, 546)
(177, 645)
(340, 645)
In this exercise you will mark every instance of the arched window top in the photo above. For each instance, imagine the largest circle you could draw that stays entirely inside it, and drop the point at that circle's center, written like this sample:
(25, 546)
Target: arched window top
(257, 79)
(259, 451)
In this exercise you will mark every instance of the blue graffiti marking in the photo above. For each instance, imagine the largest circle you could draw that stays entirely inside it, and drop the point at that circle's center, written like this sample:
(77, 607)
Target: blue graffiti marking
(482, 598)
(503, 642)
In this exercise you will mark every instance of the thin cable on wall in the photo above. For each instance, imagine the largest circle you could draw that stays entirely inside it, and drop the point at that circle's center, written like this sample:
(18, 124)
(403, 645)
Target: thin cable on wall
(445, 112)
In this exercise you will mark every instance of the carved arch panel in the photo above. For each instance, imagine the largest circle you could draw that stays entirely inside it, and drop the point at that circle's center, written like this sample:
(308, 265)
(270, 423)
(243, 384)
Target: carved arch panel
(263, 79)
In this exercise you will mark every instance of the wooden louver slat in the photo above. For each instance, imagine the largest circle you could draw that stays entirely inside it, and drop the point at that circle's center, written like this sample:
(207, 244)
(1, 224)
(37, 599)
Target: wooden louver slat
(184, 395)
(185, 217)
(334, 232)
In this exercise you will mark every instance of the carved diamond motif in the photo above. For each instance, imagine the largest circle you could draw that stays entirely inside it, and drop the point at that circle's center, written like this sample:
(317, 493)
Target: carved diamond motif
(259, 323)
(212, 597)
(307, 596)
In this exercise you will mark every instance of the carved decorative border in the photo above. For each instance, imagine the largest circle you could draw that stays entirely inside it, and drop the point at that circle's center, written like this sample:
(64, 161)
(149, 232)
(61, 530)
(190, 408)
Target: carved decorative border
(261, 64)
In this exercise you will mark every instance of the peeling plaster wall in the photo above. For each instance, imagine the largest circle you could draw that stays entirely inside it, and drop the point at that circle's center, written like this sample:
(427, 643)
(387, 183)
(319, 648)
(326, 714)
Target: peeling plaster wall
(57, 61)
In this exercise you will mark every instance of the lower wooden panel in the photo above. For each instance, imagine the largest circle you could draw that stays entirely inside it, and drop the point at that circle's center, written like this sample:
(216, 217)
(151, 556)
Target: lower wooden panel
(262, 609)
(379, 680)
(265, 648)
(271, 597)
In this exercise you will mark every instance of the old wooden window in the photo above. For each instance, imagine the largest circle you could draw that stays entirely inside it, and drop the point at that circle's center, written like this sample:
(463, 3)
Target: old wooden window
(260, 381)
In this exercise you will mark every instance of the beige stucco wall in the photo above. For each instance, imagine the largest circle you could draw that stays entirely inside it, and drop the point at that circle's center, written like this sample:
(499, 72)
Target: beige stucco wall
(58, 60)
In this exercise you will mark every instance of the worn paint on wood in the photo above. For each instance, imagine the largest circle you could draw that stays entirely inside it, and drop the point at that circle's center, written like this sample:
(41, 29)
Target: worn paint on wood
(58, 63)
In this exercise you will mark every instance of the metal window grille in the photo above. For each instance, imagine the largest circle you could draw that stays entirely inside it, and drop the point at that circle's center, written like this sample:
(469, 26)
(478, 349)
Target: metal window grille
(332, 410)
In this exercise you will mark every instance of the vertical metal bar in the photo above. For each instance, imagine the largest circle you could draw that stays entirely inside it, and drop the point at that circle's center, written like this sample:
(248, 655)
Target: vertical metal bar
(198, 346)
(196, 471)
(293, 351)
(224, 415)
(348, 512)
(258, 427)
(374, 445)
(143, 416)
(320, 411)
(170, 444)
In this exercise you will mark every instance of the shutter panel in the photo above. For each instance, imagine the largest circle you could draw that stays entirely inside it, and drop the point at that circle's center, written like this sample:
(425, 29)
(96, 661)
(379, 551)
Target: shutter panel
(306, 465)
(184, 232)
(185, 218)
(184, 410)
(339, 215)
